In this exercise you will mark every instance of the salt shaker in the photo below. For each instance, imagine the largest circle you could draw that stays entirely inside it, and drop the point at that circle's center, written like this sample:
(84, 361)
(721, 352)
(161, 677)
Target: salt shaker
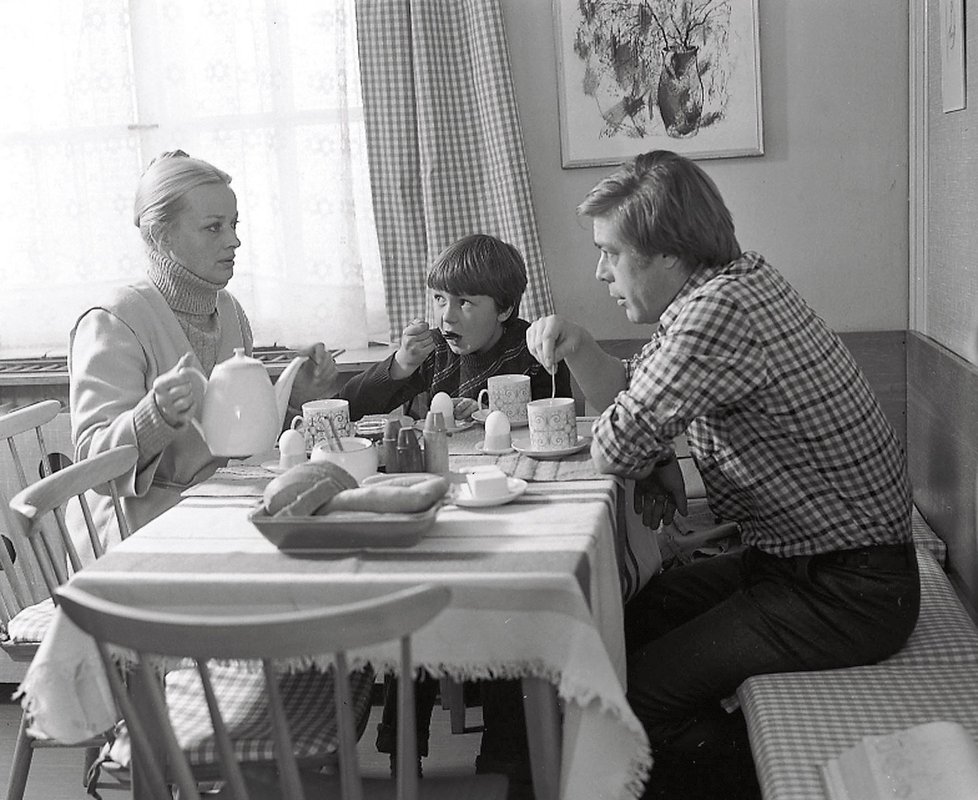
(435, 443)
(388, 450)
(409, 451)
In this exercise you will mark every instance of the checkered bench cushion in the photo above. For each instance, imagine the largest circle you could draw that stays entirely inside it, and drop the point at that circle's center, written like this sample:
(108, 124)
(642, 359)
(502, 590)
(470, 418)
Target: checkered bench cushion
(926, 539)
(307, 697)
(31, 623)
(944, 633)
(798, 720)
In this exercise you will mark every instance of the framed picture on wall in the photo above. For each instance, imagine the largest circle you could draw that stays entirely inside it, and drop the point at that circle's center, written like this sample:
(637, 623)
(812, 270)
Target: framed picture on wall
(952, 55)
(681, 75)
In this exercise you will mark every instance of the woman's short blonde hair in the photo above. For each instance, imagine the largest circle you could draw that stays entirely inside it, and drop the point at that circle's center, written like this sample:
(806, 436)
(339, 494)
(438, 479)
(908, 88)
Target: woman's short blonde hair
(665, 204)
(165, 181)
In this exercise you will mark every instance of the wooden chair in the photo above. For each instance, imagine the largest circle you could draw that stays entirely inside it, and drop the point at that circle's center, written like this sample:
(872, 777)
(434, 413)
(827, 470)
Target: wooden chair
(23, 584)
(51, 495)
(269, 637)
(31, 507)
(308, 697)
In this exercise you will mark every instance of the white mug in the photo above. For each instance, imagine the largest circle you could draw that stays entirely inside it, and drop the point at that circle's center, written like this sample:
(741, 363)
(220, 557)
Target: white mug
(358, 456)
(314, 422)
(509, 394)
(553, 423)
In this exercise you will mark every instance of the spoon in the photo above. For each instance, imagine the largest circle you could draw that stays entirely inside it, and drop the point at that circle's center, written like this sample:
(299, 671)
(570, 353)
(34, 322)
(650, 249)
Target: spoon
(336, 437)
(553, 384)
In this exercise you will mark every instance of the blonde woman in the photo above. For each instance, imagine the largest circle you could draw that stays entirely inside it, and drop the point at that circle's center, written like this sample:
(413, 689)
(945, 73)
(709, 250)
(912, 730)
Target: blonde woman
(128, 356)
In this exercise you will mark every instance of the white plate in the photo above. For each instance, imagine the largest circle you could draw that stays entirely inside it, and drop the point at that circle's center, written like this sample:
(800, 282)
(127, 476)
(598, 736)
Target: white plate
(481, 447)
(523, 448)
(461, 496)
(480, 417)
(460, 425)
(272, 466)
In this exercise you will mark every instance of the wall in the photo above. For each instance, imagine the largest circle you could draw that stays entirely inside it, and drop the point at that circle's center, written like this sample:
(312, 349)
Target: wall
(942, 363)
(948, 279)
(827, 203)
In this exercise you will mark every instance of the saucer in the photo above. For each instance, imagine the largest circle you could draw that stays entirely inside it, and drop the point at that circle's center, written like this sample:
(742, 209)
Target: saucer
(461, 496)
(460, 425)
(272, 466)
(480, 417)
(481, 447)
(523, 448)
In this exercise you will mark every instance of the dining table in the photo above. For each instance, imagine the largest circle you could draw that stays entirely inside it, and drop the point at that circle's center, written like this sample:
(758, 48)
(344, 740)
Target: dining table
(536, 593)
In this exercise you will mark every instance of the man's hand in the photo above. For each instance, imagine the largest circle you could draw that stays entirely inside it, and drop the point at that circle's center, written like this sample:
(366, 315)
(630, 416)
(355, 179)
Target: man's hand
(659, 496)
(317, 378)
(417, 342)
(551, 339)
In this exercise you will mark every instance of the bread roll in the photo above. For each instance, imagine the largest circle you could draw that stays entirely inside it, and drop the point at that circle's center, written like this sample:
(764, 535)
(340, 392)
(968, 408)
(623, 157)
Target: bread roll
(286, 489)
(316, 497)
(391, 499)
(402, 479)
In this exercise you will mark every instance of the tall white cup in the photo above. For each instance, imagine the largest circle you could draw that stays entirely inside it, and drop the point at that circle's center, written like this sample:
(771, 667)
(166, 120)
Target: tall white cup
(509, 394)
(553, 423)
(314, 422)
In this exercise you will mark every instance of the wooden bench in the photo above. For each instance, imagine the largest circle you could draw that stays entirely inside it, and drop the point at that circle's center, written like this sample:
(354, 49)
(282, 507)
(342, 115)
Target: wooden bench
(799, 720)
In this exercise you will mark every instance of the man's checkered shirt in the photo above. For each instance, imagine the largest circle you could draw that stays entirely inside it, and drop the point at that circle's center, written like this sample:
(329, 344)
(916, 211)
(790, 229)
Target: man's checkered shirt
(781, 423)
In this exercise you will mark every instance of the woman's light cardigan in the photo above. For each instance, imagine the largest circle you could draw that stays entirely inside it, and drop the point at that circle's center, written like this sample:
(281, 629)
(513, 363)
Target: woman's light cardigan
(117, 350)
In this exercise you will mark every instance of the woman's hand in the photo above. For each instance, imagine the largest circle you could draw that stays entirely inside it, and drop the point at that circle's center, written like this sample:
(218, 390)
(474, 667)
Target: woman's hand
(551, 339)
(317, 378)
(657, 497)
(173, 393)
(417, 342)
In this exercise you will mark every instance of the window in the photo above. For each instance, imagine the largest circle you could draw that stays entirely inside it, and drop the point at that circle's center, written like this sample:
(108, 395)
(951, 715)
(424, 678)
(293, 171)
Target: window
(267, 90)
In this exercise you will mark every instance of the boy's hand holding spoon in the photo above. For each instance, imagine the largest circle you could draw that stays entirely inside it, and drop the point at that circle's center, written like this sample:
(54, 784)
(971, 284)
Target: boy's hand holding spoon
(417, 342)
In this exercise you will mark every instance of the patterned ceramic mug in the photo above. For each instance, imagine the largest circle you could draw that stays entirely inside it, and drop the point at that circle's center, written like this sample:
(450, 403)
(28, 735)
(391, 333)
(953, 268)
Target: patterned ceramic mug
(314, 422)
(553, 423)
(509, 394)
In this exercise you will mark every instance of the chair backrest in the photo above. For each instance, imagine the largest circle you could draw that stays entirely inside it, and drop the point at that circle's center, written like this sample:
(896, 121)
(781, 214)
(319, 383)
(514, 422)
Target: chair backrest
(51, 495)
(265, 637)
(25, 452)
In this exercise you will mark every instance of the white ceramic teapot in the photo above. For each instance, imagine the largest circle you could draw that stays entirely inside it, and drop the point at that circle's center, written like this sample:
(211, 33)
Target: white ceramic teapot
(242, 412)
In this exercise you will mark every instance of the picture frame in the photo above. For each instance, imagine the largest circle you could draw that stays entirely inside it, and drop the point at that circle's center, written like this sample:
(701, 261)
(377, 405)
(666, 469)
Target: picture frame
(681, 75)
(953, 78)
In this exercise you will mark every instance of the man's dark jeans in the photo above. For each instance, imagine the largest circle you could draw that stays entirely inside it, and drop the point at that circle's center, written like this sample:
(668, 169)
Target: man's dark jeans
(694, 633)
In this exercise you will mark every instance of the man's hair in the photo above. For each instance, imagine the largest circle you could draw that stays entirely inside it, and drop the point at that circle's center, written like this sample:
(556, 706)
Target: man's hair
(481, 264)
(161, 188)
(663, 203)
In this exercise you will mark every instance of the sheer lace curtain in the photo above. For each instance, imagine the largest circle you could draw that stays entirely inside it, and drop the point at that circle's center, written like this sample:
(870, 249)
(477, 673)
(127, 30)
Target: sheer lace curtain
(268, 90)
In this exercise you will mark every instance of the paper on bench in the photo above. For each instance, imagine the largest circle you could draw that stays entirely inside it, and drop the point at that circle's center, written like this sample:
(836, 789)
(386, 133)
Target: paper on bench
(927, 761)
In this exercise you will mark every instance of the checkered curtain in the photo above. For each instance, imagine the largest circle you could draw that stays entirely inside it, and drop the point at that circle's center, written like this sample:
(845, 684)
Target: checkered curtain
(444, 143)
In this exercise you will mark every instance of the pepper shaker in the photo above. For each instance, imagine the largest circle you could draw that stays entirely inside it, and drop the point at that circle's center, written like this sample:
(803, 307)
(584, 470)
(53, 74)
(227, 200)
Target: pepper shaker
(409, 451)
(435, 443)
(389, 445)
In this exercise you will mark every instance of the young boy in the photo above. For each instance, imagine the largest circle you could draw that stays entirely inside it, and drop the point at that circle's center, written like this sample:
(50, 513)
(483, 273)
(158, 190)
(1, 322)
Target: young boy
(476, 284)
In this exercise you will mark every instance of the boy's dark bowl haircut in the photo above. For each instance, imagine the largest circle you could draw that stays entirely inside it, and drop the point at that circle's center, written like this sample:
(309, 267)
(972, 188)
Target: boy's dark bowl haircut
(481, 264)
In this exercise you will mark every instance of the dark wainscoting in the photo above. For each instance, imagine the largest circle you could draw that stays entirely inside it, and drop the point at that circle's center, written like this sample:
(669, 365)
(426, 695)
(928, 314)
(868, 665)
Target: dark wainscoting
(942, 429)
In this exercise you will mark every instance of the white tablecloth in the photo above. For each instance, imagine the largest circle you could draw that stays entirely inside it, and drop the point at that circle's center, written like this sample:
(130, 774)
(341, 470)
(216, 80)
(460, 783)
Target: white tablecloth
(535, 592)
